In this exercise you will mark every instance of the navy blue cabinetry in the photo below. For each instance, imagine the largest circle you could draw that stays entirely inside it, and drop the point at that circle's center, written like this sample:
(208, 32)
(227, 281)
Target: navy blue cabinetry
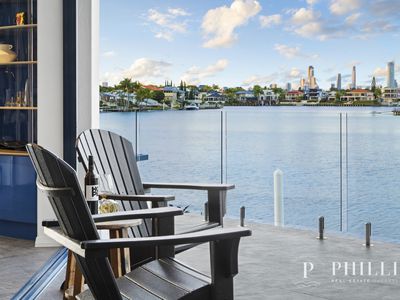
(18, 197)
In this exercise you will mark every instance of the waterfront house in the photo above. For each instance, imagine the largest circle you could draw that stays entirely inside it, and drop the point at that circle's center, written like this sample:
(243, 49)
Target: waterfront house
(267, 97)
(332, 96)
(391, 95)
(315, 95)
(152, 87)
(246, 96)
(358, 95)
(294, 96)
(149, 103)
(171, 94)
(215, 97)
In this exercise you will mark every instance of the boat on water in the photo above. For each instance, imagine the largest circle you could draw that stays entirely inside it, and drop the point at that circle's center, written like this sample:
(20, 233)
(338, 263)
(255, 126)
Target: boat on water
(191, 106)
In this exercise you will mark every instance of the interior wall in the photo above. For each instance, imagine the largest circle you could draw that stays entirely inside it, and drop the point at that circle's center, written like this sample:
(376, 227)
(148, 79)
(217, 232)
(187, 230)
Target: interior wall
(50, 94)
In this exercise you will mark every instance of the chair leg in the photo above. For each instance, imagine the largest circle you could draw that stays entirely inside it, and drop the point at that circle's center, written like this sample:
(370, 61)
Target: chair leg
(115, 255)
(125, 253)
(74, 280)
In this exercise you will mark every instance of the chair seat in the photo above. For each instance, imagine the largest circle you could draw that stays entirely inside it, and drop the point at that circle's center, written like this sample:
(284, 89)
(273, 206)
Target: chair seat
(161, 279)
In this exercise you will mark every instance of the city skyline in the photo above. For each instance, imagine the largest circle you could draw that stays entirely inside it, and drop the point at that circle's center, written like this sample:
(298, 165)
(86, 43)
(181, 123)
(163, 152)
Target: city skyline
(247, 42)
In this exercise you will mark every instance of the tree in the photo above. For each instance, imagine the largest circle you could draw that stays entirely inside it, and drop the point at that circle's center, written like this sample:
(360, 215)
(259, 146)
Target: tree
(126, 85)
(257, 90)
(157, 95)
(377, 93)
(191, 94)
(142, 94)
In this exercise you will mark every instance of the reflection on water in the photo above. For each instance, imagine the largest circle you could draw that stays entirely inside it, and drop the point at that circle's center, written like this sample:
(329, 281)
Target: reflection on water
(304, 142)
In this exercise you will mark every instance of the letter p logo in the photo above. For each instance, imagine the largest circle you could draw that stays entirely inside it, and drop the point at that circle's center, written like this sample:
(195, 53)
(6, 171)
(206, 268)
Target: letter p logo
(307, 268)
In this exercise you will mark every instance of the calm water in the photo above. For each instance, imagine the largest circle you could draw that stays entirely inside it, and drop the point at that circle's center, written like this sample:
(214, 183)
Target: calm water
(304, 142)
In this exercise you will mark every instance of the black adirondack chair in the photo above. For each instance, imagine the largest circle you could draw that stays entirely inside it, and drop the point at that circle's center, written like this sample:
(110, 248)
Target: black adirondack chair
(162, 278)
(113, 154)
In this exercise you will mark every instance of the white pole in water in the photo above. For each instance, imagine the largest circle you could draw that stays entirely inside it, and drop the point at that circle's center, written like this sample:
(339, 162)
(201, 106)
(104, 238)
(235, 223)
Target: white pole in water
(278, 198)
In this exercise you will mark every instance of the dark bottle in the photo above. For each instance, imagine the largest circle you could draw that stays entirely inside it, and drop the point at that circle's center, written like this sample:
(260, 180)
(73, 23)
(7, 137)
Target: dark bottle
(92, 188)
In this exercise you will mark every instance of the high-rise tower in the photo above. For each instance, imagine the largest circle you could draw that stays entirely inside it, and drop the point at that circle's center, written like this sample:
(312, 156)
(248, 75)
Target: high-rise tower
(390, 75)
(310, 76)
(354, 78)
(339, 82)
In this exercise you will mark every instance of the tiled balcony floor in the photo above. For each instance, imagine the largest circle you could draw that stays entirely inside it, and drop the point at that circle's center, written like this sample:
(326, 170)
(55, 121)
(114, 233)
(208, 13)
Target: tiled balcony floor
(271, 266)
(19, 260)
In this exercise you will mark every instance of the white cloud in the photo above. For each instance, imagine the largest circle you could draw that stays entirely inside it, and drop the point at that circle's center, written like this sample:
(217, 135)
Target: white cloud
(292, 52)
(219, 24)
(312, 2)
(352, 18)
(143, 69)
(194, 75)
(342, 7)
(178, 12)
(304, 15)
(166, 23)
(294, 73)
(109, 54)
(379, 72)
(259, 80)
(268, 21)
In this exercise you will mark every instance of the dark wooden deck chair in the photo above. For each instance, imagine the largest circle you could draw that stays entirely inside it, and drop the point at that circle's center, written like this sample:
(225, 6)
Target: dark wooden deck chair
(162, 278)
(113, 154)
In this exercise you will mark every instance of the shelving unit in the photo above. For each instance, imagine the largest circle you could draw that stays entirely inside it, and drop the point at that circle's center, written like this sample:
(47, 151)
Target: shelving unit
(18, 124)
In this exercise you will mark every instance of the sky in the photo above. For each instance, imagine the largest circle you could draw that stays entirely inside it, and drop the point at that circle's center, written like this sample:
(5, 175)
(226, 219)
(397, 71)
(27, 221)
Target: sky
(247, 42)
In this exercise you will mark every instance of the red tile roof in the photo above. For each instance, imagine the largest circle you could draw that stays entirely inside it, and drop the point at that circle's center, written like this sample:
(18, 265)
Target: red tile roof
(152, 87)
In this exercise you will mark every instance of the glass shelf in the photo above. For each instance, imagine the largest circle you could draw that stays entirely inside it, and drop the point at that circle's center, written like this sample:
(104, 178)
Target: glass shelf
(13, 27)
(18, 108)
(13, 63)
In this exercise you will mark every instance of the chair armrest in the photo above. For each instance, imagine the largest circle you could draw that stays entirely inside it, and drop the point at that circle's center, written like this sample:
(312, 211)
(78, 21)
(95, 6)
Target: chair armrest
(127, 215)
(56, 234)
(139, 214)
(167, 240)
(152, 198)
(189, 186)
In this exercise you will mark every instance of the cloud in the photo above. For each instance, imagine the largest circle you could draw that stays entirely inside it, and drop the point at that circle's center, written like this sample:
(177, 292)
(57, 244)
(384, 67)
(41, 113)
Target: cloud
(292, 52)
(385, 8)
(109, 54)
(342, 7)
(268, 21)
(312, 2)
(219, 24)
(304, 15)
(259, 80)
(166, 23)
(352, 18)
(143, 69)
(194, 75)
(379, 72)
(294, 73)
(320, 30)
(178, 12)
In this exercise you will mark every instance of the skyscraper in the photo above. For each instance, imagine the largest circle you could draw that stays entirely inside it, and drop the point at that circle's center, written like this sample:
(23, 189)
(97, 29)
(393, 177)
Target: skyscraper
(390, 75)
(303, 84)
(373, 83)
(311, 80)
(288, 86)
(339, 82)
(354, 78)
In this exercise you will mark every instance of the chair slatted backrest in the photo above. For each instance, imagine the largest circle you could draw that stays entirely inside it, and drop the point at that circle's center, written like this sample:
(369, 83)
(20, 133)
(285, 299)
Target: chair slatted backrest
(114, 155)
(74, 217)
